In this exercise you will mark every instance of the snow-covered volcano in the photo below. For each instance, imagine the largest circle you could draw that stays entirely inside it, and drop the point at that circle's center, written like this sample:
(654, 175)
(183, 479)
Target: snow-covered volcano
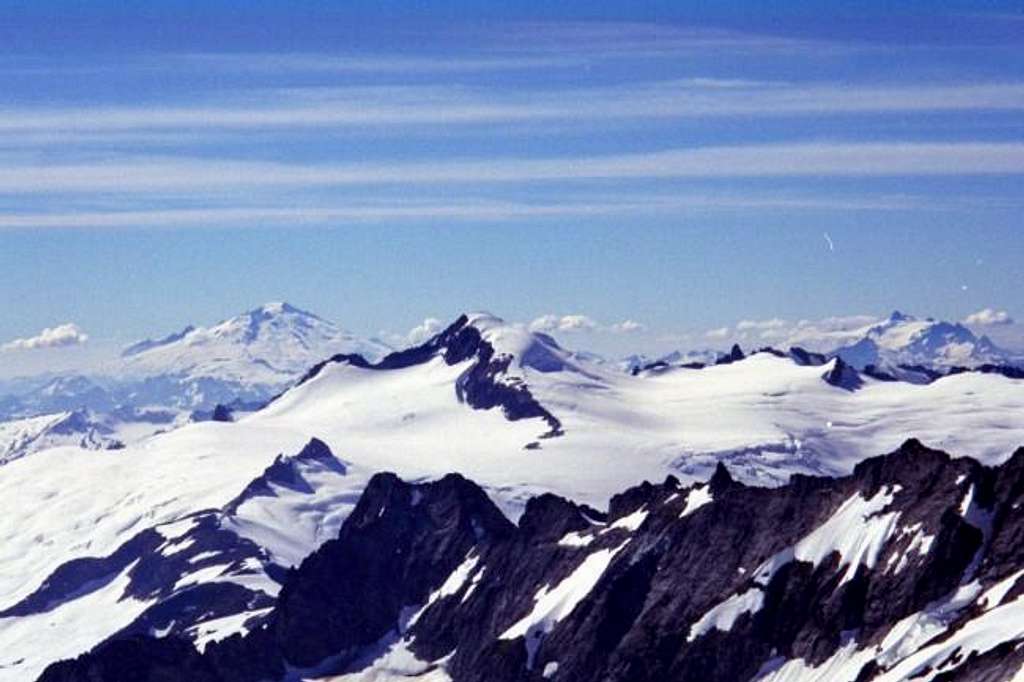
(906, 340)
(245, 359)
(269, 345)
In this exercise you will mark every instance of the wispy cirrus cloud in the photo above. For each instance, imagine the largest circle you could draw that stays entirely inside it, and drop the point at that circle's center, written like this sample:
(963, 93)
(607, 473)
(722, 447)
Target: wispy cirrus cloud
(385, 208)
(617, 39)
(63, 335)
(381, 63)
(378, 108)
(826, 158)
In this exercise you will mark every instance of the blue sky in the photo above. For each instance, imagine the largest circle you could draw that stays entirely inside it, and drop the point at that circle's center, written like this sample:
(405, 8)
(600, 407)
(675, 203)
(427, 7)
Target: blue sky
(387, 162)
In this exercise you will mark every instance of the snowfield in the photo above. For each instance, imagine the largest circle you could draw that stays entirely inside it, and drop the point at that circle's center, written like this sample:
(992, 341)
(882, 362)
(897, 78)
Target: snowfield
(765, 417)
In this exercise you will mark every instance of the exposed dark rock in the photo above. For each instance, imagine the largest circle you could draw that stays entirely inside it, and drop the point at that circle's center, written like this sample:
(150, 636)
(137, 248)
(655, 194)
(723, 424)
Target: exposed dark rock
(806, 357)
(1008, 371)
(135, 659)
(400, 542)
(636, 620)
(147, 344)
(734, 355)
(663, 365)
(222, 413)
(928, 374)
(225, 412)
(156, 567)
(650, 366)
(843, 376)
(548, 517)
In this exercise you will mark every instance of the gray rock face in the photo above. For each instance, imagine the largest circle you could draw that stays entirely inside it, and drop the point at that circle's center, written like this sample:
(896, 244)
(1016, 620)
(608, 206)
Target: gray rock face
(641, 591)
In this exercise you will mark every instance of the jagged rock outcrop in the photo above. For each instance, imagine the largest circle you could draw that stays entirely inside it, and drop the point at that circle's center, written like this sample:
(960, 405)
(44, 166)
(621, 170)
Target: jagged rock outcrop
(735, 355)
(897, 571)
(802, 356)
(843, 376)
(486, 384)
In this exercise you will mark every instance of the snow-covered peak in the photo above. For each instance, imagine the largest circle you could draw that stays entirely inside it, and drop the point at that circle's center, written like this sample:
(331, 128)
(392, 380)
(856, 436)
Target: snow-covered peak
(279, 307)
(528, 349)
(906, 340)
(898, 316)
(270, 345)
(510, 339)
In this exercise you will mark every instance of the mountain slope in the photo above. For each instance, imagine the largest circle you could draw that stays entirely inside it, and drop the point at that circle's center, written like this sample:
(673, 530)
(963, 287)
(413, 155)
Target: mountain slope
(452, 404)
(909, 568)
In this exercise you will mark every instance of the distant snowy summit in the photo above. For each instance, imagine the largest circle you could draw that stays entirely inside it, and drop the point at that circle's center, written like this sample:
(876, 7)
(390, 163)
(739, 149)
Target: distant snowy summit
(899, 346)
(270, 345)
(903, 340)
(242, 361)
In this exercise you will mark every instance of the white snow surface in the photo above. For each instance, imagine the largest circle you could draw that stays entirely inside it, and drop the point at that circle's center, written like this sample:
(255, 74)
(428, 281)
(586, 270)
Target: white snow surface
(452, 584)
(630, 522)
(698, 496)
(765, 417)
(574, 539)
(552, 604)
(270, 345)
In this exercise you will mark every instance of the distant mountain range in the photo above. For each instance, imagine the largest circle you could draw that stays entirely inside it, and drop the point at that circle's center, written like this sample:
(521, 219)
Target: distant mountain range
(243, 362)
(900, 346)
(20, 437)
(903, 340)
(254, 356)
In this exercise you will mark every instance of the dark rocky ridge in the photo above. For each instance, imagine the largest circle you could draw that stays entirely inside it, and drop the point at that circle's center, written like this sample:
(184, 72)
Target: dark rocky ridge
(481, 386)
(843, 376)
(667, 570)
(735, 354)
